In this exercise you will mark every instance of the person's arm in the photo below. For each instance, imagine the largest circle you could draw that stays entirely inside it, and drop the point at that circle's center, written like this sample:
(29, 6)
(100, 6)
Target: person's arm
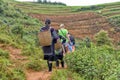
(42, 29)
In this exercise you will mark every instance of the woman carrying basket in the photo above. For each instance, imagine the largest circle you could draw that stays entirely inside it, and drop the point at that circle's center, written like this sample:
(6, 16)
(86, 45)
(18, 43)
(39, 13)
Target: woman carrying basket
(49, 51)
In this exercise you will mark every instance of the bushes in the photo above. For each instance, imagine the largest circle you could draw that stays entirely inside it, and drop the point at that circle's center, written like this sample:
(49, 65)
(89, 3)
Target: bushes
(102, 38)
(11, 74)
(36, 64)
(4, 54)
(18, 74)
(6, 72)
(90, 8)
(5, 39)
(94, 64)
(115, 20)
(65, 75)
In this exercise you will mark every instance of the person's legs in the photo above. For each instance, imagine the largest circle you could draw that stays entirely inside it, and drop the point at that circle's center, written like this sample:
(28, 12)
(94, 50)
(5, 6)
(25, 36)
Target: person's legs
(73, 48)
(62, 63)
(70, 48)
(66, 46)
(49, 65)
(57, 63)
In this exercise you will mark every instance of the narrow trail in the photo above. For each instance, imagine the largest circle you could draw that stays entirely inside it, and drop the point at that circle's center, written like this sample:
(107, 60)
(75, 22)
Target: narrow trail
(41, 75)
(18, 59)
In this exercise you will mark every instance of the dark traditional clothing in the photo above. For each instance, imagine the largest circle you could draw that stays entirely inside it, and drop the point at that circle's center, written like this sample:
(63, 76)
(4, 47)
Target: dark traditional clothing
(49, 53)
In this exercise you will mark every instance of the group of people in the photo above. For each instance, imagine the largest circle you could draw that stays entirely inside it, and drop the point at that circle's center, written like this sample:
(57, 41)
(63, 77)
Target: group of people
(68, 44)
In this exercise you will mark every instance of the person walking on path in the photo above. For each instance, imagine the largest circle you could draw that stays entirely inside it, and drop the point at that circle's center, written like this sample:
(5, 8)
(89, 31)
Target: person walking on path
(60, 54)
(71, 44)
(49, 51)
(63, 34)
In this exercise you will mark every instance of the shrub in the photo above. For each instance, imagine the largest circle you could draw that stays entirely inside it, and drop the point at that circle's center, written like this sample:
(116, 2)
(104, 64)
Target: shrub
(90, 8)
(6, 72)
(5, 39)
(36, 64)
(4, 54)
(17, 30)
(18, 74)
(102, 38)
(65, 75)
(32, 51)
(94, 63)
(114, 20)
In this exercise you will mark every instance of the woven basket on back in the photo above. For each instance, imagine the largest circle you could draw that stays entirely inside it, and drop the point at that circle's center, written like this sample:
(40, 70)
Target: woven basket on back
(58, 45)
(45, 38)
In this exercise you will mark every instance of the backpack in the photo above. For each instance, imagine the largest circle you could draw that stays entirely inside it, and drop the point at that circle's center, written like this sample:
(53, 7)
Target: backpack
(43, 40)
(45, 37)
(72, 39)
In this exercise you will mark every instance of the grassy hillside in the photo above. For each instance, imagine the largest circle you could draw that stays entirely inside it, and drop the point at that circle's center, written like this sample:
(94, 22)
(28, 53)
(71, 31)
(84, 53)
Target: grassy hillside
(43, 8)
(18, 35)
(15, 22)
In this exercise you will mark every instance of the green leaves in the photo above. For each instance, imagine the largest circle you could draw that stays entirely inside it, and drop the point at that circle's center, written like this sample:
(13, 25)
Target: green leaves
(95, 63)
(4, 54)
(115, 20)
(102, 38)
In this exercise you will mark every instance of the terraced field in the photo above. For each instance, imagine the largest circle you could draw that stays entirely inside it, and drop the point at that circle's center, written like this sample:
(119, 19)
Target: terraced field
(81, 24)
(111, 11)
(42, 8)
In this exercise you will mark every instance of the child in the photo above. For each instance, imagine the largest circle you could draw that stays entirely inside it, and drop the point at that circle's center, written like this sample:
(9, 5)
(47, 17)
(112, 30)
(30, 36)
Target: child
(59, 54)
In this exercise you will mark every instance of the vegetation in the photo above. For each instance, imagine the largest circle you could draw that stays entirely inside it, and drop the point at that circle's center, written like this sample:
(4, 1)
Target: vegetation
(98, 62)
(7, 73)
(4, 54)
(102, 38)
(95, 63)
(36, 61)
(93, 8)
(49, 2)
(65, 75)
(43, 8)
(115, 20)
(18, 30)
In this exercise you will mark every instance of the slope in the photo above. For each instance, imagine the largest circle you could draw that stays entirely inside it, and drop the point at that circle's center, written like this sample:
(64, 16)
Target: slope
(80, 21)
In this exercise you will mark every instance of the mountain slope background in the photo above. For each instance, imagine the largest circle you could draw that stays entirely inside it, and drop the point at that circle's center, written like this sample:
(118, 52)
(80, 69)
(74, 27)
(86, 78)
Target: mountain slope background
(80, 21)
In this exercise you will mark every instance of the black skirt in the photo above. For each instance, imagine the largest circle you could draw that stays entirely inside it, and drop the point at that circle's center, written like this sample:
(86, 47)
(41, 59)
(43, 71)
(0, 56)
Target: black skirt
(49, 53)
(59, 57)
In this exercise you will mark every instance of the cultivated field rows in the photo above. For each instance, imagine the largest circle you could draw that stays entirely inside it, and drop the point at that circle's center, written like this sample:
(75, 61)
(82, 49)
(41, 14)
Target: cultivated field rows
(80, 25)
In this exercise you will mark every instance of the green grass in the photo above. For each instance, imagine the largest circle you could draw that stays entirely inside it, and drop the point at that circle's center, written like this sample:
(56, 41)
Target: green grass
(43, 8)
(113, 13)
(63, 74)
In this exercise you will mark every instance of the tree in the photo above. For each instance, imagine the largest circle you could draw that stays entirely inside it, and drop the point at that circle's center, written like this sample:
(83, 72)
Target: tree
(44, 1)
(39, 1)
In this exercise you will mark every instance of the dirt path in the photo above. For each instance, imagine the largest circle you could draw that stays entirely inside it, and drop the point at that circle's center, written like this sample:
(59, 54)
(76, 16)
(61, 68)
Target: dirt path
(18, 59)
(41, 75)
